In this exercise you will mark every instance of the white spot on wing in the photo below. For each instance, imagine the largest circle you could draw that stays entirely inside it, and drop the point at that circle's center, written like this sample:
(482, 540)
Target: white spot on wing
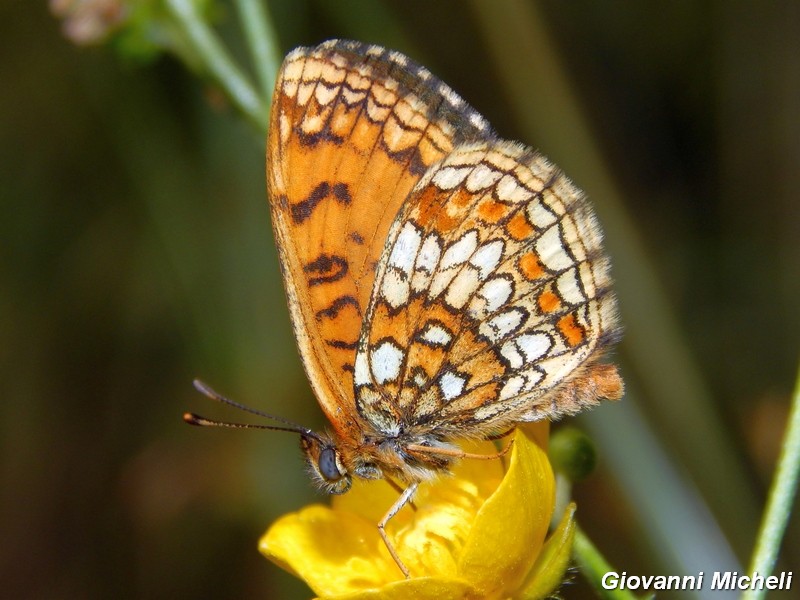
(460, 252)
(376, 112)
(533, 345)
(427, 260)
(512, 387)
(290, 88)
(325, 94)
(448, 178)
(511, 353)
(429, 254)
(522, 383)
(455, 256)
(293, 69)
(352, 96)
(509, 190)
(492, 295)
(502, 325)
(568, 288)
(532, 377)
(538, 214)
(525, 349)
(436, 335)
(452, 385)
(405, 249)
(481, 178)
(361, 371)
(385, 361)
(395, 288)
(550, 248)
(462, 287)
(440, 282)
(312, 123)
(304, 93)
(488, 257)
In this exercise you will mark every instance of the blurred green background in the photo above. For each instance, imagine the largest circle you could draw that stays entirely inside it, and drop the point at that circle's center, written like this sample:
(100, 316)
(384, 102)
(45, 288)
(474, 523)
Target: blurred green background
(137, 254)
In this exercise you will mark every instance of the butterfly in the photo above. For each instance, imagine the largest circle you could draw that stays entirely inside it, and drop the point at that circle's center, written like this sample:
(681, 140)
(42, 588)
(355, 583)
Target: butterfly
(443, 283)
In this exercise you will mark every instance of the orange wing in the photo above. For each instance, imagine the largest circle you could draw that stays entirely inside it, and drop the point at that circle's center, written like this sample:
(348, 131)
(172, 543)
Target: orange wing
(353, 128)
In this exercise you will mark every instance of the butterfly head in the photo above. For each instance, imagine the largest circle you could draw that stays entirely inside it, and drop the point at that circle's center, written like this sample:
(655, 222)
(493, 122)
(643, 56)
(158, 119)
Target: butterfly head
(325, 463)
(334, 462)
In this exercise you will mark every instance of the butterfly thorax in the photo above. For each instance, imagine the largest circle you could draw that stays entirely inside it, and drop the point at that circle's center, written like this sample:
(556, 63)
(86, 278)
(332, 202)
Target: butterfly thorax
(404, 457)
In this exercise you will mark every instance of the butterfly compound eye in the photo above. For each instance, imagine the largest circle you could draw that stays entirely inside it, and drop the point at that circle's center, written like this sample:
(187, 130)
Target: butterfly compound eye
(329, 465)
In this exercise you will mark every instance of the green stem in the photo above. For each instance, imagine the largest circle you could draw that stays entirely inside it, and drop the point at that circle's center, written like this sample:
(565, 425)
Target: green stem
(593, 566)
(261, 42)
(781, 497)
(218, 63)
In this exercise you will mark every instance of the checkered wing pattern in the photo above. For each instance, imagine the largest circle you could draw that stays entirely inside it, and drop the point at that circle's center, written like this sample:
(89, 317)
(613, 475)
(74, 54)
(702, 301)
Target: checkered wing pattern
(492, 294)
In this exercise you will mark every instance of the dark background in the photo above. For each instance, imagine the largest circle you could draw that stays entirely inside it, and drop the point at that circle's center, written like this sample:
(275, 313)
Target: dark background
(137, 253)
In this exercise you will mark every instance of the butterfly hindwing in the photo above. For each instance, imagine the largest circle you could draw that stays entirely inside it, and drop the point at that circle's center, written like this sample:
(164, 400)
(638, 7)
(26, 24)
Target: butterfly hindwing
(492, 292)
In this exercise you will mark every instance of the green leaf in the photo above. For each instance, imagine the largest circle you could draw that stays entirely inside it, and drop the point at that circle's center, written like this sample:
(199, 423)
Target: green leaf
(548, 571)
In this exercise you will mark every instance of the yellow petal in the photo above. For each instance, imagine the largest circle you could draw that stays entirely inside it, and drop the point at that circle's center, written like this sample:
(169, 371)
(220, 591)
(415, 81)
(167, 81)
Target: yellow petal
(335, 552)
(431, 542)
(449, 550)
(547, 573)
(368, 499)
(509, 530)
(423, 588)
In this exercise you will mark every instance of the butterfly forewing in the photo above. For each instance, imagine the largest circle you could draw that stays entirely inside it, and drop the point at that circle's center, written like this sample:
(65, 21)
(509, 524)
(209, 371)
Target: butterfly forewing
(353, 128)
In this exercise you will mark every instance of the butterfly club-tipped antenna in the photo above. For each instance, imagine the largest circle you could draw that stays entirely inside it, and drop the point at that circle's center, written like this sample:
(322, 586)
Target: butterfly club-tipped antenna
(200, 421)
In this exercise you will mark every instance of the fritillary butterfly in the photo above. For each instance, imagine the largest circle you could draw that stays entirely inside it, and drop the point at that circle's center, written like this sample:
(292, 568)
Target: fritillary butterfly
(443, 283)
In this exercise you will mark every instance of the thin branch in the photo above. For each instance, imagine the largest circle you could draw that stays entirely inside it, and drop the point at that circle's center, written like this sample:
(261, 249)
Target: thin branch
(261, 41)
(781, 497)
(593, 566)
(218, 63)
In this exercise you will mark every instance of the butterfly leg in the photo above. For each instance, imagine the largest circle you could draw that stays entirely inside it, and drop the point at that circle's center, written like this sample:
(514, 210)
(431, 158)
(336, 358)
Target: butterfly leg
(404, 499)
(456, 453)
(397, 488)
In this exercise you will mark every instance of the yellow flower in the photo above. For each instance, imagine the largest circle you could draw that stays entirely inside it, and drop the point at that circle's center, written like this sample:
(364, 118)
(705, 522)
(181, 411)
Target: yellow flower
(478, 534)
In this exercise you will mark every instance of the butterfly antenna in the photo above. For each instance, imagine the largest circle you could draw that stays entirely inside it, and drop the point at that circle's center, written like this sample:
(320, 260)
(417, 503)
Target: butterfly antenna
(206, 390)
(195, 419)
